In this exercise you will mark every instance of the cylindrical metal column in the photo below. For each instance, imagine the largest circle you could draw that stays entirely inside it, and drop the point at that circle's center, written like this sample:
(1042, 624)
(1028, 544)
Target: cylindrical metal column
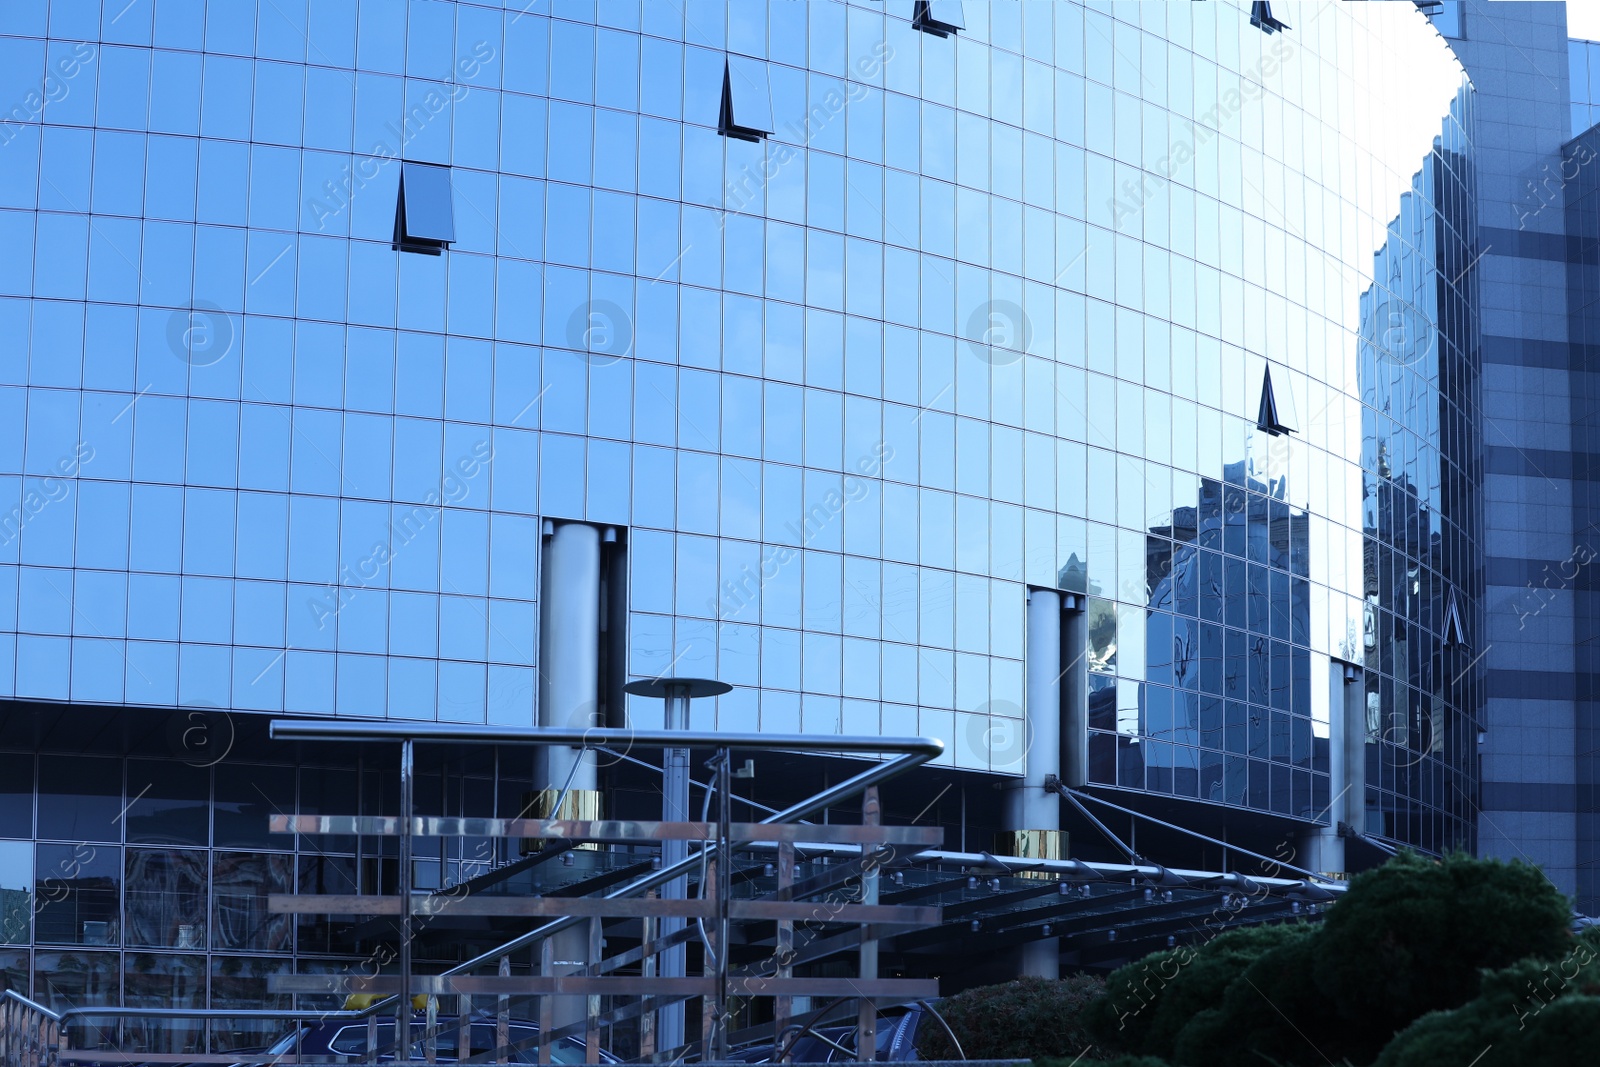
(402, 1011)
(1322, 849)
(569, 696)
(675, 693)
(674, 808)
(1032, 812)
(569, 666)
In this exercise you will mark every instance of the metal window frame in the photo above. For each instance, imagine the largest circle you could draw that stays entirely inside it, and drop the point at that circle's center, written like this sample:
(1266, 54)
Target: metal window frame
(429, 226)
(746, 99)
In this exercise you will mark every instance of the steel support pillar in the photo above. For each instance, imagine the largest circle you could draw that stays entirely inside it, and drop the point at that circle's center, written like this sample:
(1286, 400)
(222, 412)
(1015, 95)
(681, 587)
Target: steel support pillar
(675, 694)
(1323, 849)
(1033, 812)
(569, 695)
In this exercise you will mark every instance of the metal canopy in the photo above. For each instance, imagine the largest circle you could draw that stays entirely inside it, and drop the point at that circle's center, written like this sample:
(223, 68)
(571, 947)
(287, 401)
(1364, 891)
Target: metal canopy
(693, 688)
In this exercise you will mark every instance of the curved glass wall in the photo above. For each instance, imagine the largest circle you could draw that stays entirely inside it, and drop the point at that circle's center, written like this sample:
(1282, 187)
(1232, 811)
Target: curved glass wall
(982, 310)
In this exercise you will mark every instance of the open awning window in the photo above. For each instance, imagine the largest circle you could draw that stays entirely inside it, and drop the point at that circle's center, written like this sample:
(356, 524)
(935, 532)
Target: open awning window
(1261, 15)
(746, 99)
(425, 219)
(1275, 414)
(940, 17)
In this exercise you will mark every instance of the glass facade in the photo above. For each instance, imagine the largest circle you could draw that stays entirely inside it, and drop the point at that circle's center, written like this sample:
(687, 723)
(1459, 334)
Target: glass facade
(990, 306)
(147, 879)
(1583, 287)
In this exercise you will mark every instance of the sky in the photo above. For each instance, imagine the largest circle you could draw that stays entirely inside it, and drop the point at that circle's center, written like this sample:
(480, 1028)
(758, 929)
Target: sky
(1583, 20)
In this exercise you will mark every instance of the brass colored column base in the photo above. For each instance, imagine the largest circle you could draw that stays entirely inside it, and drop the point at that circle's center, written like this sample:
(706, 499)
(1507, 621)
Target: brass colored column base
(579, 805)
(1031, 844)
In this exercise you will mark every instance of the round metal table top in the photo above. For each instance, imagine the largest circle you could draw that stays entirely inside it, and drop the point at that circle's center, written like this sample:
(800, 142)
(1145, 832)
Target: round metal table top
(689, 687)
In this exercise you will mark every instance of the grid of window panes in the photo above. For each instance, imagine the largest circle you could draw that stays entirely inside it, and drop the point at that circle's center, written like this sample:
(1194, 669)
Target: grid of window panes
(1420, 469)
(985, 311)
(1583, 273)
(156, 873)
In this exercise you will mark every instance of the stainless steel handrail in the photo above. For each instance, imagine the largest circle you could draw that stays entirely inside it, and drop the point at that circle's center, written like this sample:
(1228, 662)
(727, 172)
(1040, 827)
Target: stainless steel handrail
(12, 994)
(915, 751)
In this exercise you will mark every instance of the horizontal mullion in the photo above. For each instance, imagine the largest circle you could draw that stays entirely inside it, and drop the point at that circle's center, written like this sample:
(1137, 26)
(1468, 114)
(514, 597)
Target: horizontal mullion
(617, 830)
(621, 985)
(604, 907)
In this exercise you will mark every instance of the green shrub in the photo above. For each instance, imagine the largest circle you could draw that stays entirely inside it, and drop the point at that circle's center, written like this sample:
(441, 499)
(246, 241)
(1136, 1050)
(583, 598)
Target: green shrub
(1412, 937)
(1272, 1009)
(1533, 1013)
(1027, 1019)
(1149, 1001)
(1409, 938)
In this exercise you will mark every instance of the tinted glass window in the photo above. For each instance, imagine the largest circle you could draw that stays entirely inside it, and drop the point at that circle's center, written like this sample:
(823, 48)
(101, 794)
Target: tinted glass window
(81, 798)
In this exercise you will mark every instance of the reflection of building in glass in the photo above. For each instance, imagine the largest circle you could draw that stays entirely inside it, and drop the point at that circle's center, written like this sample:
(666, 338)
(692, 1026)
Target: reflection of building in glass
(1420, 515)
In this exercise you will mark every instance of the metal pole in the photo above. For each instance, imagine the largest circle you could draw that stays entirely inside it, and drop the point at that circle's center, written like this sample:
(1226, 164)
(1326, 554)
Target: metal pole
(402, 1013)
(783, 1005)
(724, 891)
(502, 1018)
(867, 1012)
(674, 808)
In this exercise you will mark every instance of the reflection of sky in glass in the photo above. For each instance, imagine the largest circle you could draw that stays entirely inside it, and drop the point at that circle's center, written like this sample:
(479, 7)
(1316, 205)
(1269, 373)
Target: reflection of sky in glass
(998, 320)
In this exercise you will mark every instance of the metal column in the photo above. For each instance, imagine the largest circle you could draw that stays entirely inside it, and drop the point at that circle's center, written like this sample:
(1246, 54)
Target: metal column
(675, 694)
(1323, 850)
(569, 696)
(674, 808)
(402, 1011)
(569, 640)
(1033, 812)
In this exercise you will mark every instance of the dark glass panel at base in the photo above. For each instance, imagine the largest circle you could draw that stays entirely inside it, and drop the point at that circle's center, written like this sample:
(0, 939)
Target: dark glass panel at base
(72, 979)
(16, 892)
(16, 795)
(241, 883)
(80, 798)
(161, 980)
(241, 982)
(326, 874)
(14, 971)
(246, 797)
(77, 894)
(167, 898)
(168, 803)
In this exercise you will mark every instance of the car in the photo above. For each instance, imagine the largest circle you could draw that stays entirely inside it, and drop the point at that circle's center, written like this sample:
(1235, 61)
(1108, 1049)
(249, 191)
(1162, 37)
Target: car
(897, 1040)
(345, 1041)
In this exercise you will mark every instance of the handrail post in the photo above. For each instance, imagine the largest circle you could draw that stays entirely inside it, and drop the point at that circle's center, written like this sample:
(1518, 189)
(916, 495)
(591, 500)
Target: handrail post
(867, 1014)
(402, 1010)
(502, 1016)
(650, 930)
(547, 1002)
(591, 1030)
(783, 1004)
(430, 1037)
(724, 890)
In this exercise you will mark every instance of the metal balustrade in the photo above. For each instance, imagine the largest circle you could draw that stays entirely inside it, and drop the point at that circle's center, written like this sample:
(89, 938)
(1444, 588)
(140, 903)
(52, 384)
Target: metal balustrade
(719, 840)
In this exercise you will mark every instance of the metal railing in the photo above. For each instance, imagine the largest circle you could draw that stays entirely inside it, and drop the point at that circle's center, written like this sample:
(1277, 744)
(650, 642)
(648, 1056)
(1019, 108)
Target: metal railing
(32, 1035)
(717, 846)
